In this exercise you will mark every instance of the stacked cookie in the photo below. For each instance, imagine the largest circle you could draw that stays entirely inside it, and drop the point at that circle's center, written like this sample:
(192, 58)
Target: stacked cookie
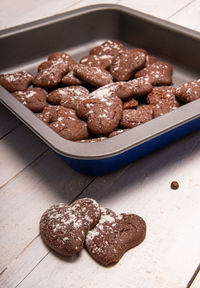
(111, 90)
(107, 236)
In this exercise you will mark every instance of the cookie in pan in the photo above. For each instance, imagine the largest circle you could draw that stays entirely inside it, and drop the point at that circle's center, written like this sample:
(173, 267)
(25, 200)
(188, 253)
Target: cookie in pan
(126, 64)
(159, 73)
(163, 100)
(150, 60)
(68, 96)
(71, 79)
(110, 47)
(51, 72)
(132, 103)
(133, 88)
(188, 91)
(114, 235)
(103, 61)
(64, 227)
(102, 110)
(65, 122)
(95, 76)
(58, 58)
(18, 81)
(134, 117)
(33, 98)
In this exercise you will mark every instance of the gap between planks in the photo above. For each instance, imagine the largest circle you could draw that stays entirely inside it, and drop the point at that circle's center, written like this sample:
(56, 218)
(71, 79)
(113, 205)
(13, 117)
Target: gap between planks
(29, 164)
(180, 9)
(10, 131)
(194, 276)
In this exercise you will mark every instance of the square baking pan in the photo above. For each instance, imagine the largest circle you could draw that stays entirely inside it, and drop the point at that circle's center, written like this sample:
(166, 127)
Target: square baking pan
(76, 32)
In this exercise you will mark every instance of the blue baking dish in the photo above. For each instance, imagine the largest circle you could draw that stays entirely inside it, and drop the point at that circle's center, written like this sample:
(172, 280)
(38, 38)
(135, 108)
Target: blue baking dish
(77, 32)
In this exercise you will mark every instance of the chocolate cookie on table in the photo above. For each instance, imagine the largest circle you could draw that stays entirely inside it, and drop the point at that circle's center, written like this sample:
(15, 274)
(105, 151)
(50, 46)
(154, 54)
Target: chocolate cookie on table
(188, 91)
(71, 79)
(110, 47)
(134, 117)
(103, 61)
(64, 227)
(159, 73)
(133, 88)
(102, 109)
(126, 64)
(163, 100)
(114, 234)
(93, 75)
(33, 98)
(18, 81)
(65, 122)
(68, 96)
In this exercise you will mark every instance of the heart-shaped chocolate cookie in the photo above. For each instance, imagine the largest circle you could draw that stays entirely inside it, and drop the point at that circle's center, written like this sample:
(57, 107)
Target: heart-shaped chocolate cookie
(114, 235)
(64, 227)
(102, 109)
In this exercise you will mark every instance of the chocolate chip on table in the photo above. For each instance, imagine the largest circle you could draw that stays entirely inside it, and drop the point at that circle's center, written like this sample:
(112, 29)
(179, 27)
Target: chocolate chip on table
(174, 185)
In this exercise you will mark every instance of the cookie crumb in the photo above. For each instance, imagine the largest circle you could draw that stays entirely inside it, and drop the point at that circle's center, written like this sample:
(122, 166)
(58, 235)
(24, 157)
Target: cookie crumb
(174, 185)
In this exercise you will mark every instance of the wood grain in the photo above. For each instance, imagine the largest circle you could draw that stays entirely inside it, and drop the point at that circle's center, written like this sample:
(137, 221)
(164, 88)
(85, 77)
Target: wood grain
(189, 16)
(17, 151)
(156, 8)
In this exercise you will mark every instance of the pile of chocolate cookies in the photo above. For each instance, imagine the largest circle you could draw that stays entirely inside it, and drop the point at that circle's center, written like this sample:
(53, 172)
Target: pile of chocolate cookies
(111, 90)
(107, 236)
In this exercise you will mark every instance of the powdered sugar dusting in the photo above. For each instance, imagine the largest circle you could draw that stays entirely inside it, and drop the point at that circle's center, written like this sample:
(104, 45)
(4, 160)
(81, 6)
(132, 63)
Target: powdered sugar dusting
(70, 222)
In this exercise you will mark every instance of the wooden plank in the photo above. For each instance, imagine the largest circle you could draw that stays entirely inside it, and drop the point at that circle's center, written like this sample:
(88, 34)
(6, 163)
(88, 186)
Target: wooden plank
(169, 254)
(25, 259)
(17, 150)
(84, 3)
(155, 7)
(27, 11)
(189, 16)
(8, 121)
(46, 181)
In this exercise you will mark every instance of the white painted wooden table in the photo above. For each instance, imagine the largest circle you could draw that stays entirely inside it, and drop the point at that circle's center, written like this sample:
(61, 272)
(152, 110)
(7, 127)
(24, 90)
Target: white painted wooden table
(32, 178)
